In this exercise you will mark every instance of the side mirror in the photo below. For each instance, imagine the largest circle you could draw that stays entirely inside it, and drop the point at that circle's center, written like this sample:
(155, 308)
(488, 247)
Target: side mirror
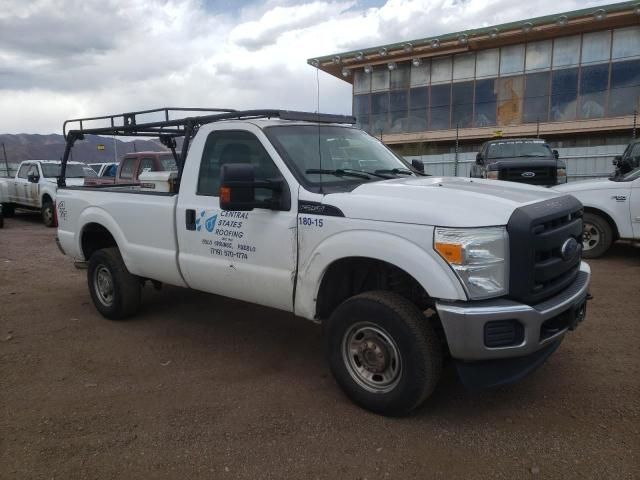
(479, 159)
(556, 154)
(616, 159)
(33, 178)
(418, 165)
(238, 189)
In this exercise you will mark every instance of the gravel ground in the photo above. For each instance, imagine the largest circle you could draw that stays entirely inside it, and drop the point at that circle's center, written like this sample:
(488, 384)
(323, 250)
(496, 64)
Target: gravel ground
(199, 386)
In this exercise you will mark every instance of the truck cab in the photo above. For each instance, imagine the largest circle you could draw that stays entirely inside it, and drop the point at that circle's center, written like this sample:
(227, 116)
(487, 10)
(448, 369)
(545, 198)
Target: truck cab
(522, 160)
(133, 164)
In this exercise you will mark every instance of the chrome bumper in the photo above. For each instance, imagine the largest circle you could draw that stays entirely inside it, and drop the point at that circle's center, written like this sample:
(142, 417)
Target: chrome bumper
(464, 322)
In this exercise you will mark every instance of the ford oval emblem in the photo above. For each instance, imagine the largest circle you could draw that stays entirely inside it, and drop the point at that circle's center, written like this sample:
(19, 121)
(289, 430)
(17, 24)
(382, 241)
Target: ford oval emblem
(528, 174)
(569, 249)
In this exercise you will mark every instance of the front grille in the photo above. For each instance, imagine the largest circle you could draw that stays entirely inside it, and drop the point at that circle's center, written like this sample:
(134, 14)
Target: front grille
(537, 234)
(530, 175)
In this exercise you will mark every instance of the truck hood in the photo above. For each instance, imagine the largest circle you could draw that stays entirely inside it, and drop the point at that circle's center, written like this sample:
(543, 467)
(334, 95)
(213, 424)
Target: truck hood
(442, 201)
(590, 185)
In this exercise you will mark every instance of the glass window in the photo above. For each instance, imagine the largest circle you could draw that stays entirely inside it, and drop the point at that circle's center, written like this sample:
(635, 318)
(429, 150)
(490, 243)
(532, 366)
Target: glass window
(380, 78)
(485, 111)
(33, 171)
(379, 112)
(626, 43)
(487, 62)
(464, 66)
(440, 104)
(168, 163)
(462, 104)
(536, 97)
(421, 74)
(146, 164)
(418, 103)
(229, 147)
(538, 55)
(596, 47)
(398, 111)
(110, 171)
(441, 70)
(564, 94)
(400, 76)
(511, 59)
(22, 173)
(128, 166)
(361, 110)
(625, 88)
(566, 51)
(361, 82)
(594, 80)
(510, 92)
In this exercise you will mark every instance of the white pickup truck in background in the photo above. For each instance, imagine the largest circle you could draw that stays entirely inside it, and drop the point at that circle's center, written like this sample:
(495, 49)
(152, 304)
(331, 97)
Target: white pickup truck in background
(307, 214)
(34, 187)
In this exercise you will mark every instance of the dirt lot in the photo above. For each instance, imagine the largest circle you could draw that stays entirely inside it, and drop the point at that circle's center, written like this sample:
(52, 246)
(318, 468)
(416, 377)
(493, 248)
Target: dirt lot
(199, 386)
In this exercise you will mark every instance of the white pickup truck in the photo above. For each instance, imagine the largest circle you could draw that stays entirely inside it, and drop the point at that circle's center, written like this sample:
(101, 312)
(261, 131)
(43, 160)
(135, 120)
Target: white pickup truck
(34, 187)
(612, 210)
(306, 214)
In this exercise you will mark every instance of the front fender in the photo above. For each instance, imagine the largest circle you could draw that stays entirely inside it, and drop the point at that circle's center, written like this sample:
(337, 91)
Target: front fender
(429, 270)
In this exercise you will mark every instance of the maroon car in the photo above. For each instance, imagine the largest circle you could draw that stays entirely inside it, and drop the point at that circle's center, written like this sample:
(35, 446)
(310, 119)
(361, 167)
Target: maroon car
(133, 164)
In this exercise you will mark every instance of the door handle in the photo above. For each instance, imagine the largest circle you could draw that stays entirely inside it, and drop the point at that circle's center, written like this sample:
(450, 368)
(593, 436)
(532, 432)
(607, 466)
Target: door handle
(190, 219)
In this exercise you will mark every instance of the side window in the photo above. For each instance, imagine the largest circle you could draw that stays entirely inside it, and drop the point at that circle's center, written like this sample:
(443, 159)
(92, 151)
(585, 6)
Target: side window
(33, 171)
(128, 164)
(226, 147)
(635, 153)
(110, 171)
(146, 164)
(22, 173)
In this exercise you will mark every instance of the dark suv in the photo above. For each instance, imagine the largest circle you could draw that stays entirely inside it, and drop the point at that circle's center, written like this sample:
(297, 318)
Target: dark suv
(524, 160)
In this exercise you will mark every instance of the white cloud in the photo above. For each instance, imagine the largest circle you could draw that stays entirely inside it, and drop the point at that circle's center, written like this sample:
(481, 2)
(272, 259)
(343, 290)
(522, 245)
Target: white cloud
(63, 59)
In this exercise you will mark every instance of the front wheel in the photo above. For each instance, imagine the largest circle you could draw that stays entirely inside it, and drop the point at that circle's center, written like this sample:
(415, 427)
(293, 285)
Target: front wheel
(383, 352)
(48, 215)
(115, 292)
(596, 236)
(8, 210)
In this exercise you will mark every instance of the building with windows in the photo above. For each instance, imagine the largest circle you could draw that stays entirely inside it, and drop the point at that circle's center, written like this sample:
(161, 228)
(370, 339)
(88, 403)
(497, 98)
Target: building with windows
(572, 78)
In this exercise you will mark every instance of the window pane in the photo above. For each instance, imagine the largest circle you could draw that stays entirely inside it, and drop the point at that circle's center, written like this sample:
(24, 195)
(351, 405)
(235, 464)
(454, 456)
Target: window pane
(464, 66)
(380, 78)
(361, 82)
(379, 111)
(510, 100)
(626, 43)
(596, 47)
(536, 97)
(440, 104)
(485, 115)
(511, 59)
(441, 70)
(420, 75)
(400, 76)
(487, 62)
(127, 168)
(539, 55)
(566, 51)
(625, 88)
(564, 94)
(418, 103)
(361, 110)
(398, 109)
(462, 104)
(593, 90)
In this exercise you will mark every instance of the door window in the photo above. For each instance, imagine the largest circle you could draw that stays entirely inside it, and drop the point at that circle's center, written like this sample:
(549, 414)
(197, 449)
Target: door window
(232, 147)
(128, 164)
(33, 171)
(22, 173)
(146, 164)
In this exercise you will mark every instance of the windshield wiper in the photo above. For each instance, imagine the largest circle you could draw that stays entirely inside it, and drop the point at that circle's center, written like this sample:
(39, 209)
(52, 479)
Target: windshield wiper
(395, 171)
(339, 173)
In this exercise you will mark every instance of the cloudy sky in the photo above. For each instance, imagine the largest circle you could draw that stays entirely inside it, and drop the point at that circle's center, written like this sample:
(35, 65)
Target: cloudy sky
(61, 59)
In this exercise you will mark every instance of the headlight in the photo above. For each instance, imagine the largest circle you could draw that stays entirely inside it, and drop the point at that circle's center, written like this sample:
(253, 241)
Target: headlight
(562, 175)
(478, 256)
(492, 174)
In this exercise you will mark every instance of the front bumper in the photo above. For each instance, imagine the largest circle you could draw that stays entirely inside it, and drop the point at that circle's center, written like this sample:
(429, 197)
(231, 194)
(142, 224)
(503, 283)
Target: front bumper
(464, 322)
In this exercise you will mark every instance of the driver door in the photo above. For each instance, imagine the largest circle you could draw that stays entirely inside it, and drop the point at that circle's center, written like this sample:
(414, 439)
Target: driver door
(32, 189)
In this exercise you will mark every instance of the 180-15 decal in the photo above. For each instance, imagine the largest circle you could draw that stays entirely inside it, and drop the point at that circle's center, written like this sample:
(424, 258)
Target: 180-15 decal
(311, 222)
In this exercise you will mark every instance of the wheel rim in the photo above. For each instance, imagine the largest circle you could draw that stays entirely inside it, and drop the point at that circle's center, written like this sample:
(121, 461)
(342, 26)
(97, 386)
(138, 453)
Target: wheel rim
(103, 284)
(48, 215)
(591, 236)
(372, 357)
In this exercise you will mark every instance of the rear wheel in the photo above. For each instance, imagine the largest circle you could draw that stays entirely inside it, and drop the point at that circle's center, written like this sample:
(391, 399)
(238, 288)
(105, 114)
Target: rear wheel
(48, 214)
(596, 236)
(115, 292)
(383, 352)
(8, 210)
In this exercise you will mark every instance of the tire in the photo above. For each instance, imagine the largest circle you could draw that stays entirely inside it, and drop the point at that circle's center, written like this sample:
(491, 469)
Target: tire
(597, 236)
(48, 214)
(380, 326)
(1, 221)
(8, 210)
(115, 292)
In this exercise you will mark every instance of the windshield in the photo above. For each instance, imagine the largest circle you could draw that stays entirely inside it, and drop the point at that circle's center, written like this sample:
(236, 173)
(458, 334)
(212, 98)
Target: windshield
(629, 176)
(52, 170)
(89, 172)
(341, 149)
(523, 148)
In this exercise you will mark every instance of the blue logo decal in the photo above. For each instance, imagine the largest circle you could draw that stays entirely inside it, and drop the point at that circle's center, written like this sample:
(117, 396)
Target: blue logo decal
(210, 224)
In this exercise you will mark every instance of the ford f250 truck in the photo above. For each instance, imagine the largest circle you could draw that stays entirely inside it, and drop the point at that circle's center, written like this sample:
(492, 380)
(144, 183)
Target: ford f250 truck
(34, 187)
(304, 213)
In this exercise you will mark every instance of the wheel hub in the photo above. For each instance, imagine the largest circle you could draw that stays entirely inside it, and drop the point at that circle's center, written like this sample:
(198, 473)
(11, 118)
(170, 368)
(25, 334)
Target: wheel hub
(590, 236)
(373, 356)
(104, 285)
